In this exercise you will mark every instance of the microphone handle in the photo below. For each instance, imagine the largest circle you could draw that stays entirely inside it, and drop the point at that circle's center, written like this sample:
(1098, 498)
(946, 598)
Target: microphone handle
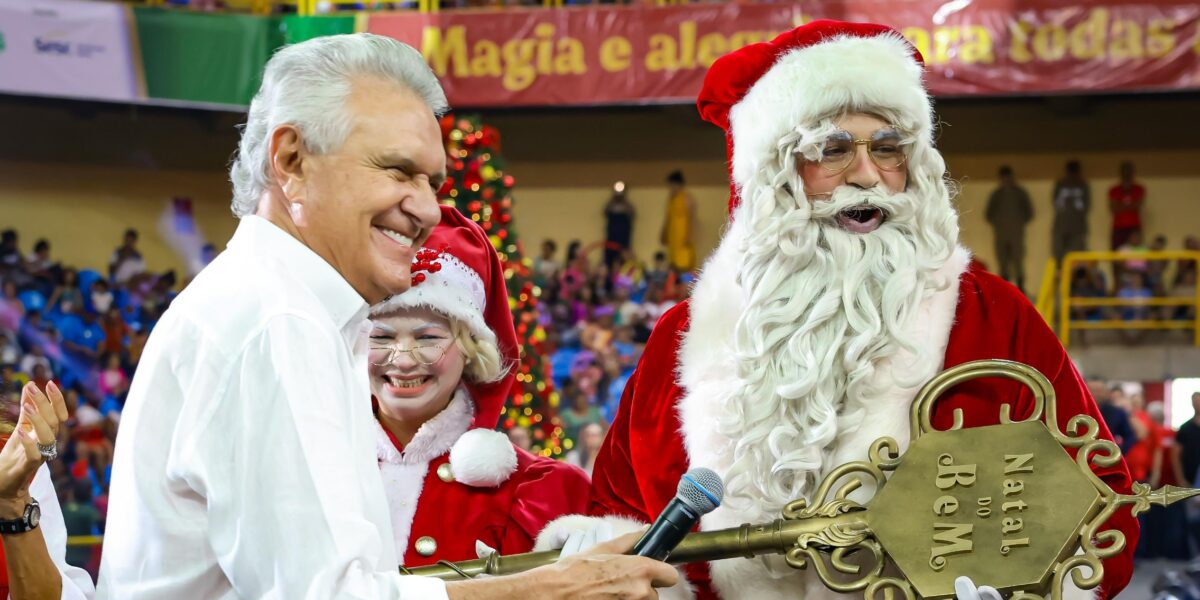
(676, 520)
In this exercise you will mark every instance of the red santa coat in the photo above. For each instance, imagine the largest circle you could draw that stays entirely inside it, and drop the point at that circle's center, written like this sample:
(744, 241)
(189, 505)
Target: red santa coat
(453, 485)
(661, 426)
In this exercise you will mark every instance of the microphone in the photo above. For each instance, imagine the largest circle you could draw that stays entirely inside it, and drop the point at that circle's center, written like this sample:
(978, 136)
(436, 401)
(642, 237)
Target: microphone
(700, 491)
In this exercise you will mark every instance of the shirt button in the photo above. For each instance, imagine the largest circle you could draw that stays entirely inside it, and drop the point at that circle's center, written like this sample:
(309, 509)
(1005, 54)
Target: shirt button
(426, 546)
(444, 473)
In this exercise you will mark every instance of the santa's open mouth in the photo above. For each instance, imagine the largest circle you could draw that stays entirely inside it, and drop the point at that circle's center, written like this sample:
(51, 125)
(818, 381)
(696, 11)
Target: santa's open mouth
(861, 219)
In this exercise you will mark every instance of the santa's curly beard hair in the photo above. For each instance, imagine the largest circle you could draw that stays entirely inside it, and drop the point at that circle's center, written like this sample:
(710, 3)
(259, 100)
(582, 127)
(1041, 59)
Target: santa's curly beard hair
(823, 308)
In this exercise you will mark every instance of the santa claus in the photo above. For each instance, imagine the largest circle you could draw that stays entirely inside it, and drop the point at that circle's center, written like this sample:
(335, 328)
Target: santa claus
(838, 290)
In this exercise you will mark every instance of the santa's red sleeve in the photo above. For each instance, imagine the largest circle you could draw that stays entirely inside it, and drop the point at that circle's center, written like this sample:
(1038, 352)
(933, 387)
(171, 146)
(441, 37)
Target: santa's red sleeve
(546, 489)
(995, 320)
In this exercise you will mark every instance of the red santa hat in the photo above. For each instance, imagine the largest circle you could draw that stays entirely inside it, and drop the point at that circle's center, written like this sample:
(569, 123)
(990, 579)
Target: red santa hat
(761, 92)
(458, 274)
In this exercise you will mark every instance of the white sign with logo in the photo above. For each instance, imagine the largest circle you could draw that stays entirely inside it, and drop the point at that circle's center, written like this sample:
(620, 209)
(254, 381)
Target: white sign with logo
(71, 48)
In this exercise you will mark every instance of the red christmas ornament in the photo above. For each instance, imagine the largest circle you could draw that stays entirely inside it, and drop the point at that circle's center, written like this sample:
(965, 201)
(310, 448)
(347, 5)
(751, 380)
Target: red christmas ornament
(509, 181)
(505, 218)
(474, 206)
(503, 234)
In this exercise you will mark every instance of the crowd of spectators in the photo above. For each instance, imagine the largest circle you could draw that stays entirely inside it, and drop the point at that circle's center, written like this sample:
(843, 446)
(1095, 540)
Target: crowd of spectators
(85, 330)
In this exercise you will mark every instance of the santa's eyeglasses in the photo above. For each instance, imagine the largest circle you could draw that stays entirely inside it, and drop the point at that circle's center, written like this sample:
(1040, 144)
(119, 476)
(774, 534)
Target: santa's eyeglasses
(841, 148)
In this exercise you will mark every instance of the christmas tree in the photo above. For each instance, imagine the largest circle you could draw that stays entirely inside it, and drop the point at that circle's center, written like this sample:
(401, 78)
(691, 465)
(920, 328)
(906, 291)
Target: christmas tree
(478, 187)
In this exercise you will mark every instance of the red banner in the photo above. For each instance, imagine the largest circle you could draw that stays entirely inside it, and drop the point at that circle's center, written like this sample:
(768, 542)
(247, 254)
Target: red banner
(637, 55)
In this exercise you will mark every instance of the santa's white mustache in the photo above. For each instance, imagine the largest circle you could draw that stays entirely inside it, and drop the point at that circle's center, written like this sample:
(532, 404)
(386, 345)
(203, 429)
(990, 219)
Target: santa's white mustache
(848, 197)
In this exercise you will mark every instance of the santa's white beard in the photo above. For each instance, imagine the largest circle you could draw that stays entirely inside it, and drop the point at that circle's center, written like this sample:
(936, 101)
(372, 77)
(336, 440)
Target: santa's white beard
(823, 308)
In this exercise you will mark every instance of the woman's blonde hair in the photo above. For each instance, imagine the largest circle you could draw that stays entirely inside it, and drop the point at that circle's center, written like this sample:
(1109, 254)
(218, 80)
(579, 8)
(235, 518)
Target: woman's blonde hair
(483, 361)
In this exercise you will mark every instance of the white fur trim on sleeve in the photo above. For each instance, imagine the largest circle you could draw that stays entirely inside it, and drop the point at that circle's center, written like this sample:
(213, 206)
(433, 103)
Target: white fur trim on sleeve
(483, 458)
(555, 533)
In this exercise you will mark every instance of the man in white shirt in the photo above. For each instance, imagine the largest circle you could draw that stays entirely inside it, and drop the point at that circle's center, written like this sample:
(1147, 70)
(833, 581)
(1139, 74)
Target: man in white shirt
(245, 463)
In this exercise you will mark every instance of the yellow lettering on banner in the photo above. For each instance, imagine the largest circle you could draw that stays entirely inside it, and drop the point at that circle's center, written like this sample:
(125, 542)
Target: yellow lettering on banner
(662, 55)
(570, 58)
(1160, 39)
(1127, 40)
(519, 72)
(486, 62)
(918, 37)
(1019, 51)
(687, 45)
(1050, 42)
(442, 54)
(545, 48)
(614, 54)
(944, 39)
(977, 46)
(711, 47)
(1087, 38)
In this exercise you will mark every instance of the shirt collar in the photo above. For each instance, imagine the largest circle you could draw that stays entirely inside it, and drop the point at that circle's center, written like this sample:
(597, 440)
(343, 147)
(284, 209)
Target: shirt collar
(345, 306)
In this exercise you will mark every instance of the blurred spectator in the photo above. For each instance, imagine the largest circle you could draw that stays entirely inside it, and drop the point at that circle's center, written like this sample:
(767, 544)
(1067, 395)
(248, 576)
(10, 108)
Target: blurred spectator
(1185, 267)
(127, 261)
(657, 275)
(82, 519)
(67, 297)
(39, 375)
(10, 252)
(1140, 457)
(41, 267)
(619, 216)
(12, 309)
(1072, 202)
(545, 267)
(1135, 287)
(93, 444)
(116, 330)
(588, 444)
(580, 412)
(102, 297)
(1164, 530)
(1009, 210)
(1156, 270)
(82, 339)
(113, 382)
(36, 357)
(1185, 287)
(1114, 416)
(1188, 441)
(10, 351)
(1125, 200)
(679, 224)
(520, 437)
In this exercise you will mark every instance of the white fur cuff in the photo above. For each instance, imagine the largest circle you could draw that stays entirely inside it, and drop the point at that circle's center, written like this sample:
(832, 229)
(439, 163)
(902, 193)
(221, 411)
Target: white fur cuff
(483, 458)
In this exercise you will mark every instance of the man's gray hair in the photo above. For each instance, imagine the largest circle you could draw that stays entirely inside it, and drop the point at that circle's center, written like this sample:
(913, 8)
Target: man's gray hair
(306, 85)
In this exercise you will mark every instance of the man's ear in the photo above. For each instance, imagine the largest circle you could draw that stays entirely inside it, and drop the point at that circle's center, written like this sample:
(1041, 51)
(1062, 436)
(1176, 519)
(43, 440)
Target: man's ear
(288, 157)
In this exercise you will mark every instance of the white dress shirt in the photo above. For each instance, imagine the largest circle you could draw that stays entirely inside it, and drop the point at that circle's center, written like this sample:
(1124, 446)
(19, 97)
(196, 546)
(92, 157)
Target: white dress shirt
(76, 583)
(245, 463)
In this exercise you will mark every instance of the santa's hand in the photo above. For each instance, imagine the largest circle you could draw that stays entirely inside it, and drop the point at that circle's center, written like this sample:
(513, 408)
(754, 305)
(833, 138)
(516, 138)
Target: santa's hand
(581, 540)
(483, 550)
(964, 589)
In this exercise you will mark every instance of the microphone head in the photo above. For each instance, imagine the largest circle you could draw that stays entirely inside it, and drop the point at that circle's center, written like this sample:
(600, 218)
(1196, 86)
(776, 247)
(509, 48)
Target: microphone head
(701, 489)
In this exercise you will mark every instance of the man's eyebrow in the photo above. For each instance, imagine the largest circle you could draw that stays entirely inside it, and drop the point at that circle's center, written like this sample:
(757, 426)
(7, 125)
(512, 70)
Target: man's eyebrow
(408, 165)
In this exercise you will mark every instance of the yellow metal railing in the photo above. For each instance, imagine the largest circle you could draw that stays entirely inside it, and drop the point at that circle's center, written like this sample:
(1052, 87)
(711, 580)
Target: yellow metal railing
(1066, 302)
(1045, 298)
(84, 540)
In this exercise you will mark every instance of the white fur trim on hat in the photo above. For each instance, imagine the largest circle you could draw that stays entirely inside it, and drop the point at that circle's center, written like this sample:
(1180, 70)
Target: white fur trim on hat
(454, 290)
(483, 458)
(806, 84)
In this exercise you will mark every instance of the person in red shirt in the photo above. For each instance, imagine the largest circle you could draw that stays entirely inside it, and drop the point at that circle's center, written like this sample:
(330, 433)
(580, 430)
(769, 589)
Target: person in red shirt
(1125, 201)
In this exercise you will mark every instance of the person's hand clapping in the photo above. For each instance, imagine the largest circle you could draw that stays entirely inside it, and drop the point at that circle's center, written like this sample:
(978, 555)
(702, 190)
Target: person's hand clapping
(33, 441)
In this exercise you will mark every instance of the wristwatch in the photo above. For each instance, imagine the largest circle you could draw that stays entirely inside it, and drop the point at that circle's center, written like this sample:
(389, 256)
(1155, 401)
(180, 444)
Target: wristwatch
(27, 522)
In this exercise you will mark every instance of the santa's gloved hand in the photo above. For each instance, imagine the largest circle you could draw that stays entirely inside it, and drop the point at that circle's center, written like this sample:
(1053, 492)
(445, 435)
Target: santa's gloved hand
(483, 550)
(965, 589)
(581, 540)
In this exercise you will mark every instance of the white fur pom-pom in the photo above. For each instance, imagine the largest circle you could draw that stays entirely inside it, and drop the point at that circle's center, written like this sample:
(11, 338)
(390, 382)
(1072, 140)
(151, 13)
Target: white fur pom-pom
(483, 458)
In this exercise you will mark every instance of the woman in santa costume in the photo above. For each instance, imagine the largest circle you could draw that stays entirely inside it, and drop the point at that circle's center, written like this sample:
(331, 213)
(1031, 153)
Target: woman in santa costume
(442, 356)
(837, 291)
